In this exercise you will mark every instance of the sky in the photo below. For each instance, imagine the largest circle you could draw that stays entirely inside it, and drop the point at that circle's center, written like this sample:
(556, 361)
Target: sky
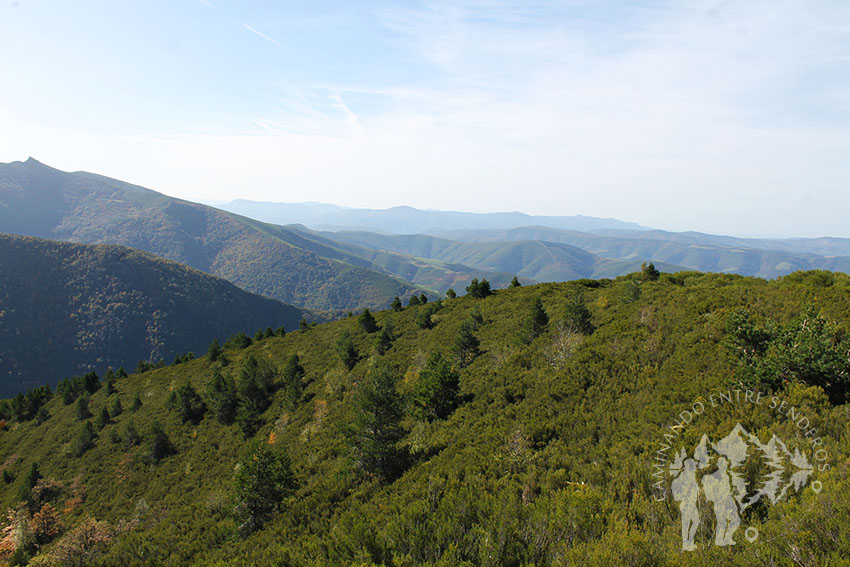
(729, 116)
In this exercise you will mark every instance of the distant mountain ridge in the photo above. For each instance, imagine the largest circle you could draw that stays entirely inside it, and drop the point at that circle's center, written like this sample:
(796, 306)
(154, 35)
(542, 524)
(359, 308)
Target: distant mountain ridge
(408, 220)
(70, 308)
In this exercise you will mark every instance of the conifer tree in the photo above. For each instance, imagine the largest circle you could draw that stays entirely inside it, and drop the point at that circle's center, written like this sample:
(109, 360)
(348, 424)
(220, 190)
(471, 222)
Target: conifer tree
(535, 322)
(396, 304)
(82, 412)
(222, 398)
(437, 392)
(263, 479)
(450, 293)
(466, 344)
(346, 350)
(515, 282)
(368, 322)
(376, 431)
(214, 351)
(384, 340)
(577, 317)
(190, 406)
(293, 374)
(159, 445)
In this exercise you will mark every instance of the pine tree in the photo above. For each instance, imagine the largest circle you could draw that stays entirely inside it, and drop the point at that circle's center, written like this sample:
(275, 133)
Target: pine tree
(222, 398)
(280, 332)
(478, 289)
(376, 431)
(535, 322)
(414, 300)
(466, 344)
(577, 317)
(102, 418)
(450, 293)
(302, 325)
(423, 299)
(190, 406)
(84, 440)
(437, 392)
(131, 435)
(137, 403)
(476, 317)
(115, 410)
(30, 480)
(214, 351)
(384, 340)
(515, 282)
(650, 273)
(263, 479)
(159, 445)
(367, 321)
(396, 304)
(346, 350)
(82, 412)
(293, 374)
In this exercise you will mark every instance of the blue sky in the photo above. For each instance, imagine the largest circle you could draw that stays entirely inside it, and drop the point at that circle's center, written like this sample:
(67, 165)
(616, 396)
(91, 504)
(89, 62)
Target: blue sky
(730, 117)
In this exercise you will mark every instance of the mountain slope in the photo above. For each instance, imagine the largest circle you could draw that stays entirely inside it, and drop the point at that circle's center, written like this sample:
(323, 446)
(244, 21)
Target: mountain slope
(535, 260)
(546, 460)
(36, 200)
(69, 308)
(704, 252)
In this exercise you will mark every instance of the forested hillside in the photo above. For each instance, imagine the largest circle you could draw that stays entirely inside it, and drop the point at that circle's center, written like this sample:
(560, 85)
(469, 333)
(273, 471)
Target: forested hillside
(37, 200)
(70, 309)
(511, 428)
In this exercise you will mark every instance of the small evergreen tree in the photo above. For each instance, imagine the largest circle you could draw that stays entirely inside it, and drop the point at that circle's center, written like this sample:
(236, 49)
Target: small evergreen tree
(238, 341)
(414, 300)
(293, 374)
(577, 317)
(102, 418)
(479, 290)
(222, 398)
(396, 304)
(263, 479)
(649, 272)
(346, 350)
(159, 445)
(280, 332)
(131, 435)
(423, 299)
(302, 325)
(476, 317)
(190, 406)
(466, 344)
(84, 440)
(450, 293)
(535, 322)
(214, 351)
(376, 431)
(368, 322)
(42, 415)
(137, 403)
(437, 392)
(259, 335)
(29, 482)
(515, 282)
(269, 332)
(384, 340)
(115, 409)
(82, 412)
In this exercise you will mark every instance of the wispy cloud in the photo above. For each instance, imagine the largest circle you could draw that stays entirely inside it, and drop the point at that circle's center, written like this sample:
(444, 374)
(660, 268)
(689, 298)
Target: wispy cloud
(208, 4)
(262, 35)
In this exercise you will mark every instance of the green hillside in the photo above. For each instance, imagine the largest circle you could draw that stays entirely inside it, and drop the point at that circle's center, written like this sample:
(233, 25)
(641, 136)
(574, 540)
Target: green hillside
(766, 258)
(534, 447)
(70, 308)
(534, 259)
(37, 200)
